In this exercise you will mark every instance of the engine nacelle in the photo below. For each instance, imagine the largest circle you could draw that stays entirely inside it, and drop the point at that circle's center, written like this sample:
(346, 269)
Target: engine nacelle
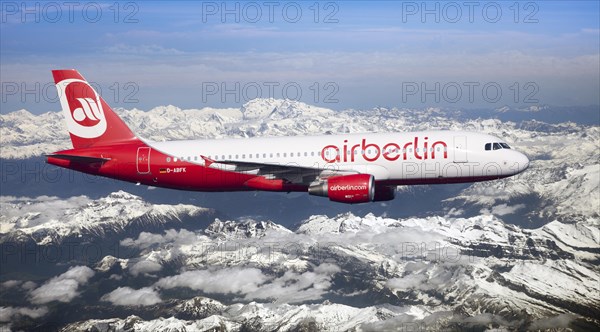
(356, 188)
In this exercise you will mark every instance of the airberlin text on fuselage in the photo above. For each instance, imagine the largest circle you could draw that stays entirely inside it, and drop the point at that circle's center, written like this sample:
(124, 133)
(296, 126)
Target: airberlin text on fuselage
(390, 151)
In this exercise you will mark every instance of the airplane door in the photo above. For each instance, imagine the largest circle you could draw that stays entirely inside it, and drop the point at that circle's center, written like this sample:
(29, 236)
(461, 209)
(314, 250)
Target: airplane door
(460, 149)
(143, 160)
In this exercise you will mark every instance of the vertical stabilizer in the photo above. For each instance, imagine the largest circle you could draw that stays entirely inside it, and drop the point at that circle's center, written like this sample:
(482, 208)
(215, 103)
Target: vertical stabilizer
(90, 121)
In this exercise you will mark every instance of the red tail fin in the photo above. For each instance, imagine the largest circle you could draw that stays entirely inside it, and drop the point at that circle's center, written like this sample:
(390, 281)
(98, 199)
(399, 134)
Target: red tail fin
(90, 120)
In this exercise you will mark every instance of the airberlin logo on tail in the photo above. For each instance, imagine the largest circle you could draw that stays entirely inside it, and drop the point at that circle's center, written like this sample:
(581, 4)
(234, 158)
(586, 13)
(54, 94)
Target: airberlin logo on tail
(82, 108)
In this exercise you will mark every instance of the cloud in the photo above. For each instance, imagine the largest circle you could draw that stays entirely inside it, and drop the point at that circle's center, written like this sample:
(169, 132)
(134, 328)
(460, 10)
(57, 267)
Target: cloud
(559, 321)
(62, 288)
(25, 212)
(144, 267)
(411, 281)
(423, 276)
(295, 287)
(11, 283)
(454, 212)
(225, 281)
(142, 50)
(253, 284)
(8, 314)
(146, 240)
(127, 296)
(143, 241)
(503, 209)
(29, 285)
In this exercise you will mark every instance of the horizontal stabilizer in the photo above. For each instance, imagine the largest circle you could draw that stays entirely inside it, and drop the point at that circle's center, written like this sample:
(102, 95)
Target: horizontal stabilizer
(79, 159)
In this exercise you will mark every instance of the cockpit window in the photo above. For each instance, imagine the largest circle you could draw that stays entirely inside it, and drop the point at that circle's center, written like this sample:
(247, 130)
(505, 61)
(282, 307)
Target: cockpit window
(496, 146)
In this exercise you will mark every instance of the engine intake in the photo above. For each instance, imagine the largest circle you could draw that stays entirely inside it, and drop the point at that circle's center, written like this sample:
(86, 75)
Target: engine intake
(356, 188)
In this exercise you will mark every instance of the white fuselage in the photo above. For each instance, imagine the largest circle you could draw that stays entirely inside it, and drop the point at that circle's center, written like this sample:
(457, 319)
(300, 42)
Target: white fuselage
(387, 156)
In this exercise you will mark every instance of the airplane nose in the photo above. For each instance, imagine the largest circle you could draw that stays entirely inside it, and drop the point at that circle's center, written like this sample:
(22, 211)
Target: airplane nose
(519, 162)
(523, 162)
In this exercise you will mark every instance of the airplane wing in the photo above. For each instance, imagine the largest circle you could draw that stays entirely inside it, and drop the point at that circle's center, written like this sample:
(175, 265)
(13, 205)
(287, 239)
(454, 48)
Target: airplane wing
(277, 174)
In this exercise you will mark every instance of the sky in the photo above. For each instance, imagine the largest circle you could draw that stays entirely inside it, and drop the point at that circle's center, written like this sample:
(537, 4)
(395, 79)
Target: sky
(335, 54)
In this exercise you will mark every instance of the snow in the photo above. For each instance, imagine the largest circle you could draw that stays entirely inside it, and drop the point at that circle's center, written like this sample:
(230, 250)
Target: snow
(48, 219)
(437, 269)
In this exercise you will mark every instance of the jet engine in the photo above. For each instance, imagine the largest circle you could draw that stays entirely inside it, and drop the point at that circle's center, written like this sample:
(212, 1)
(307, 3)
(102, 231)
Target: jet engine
(355, 188)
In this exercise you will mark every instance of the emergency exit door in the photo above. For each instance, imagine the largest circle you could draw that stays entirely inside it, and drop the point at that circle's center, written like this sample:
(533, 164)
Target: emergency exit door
(143, 160)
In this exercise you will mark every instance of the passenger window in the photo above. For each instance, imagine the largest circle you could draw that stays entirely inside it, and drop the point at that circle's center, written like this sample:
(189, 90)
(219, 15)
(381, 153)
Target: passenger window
(284, 154)
(306, 154)
(278, 154)
(264, 155)
(168, 159)
(497, 146)
(312, 153)
(488, 146)
(174, 159)
(237, 156)
(195, 158)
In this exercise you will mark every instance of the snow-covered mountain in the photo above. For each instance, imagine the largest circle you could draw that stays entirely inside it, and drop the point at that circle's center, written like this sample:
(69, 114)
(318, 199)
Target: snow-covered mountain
(518, 253)
(52, 220)
(364, 273)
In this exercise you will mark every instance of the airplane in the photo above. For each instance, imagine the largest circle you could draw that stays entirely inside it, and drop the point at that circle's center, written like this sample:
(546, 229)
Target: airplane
(346, 168)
